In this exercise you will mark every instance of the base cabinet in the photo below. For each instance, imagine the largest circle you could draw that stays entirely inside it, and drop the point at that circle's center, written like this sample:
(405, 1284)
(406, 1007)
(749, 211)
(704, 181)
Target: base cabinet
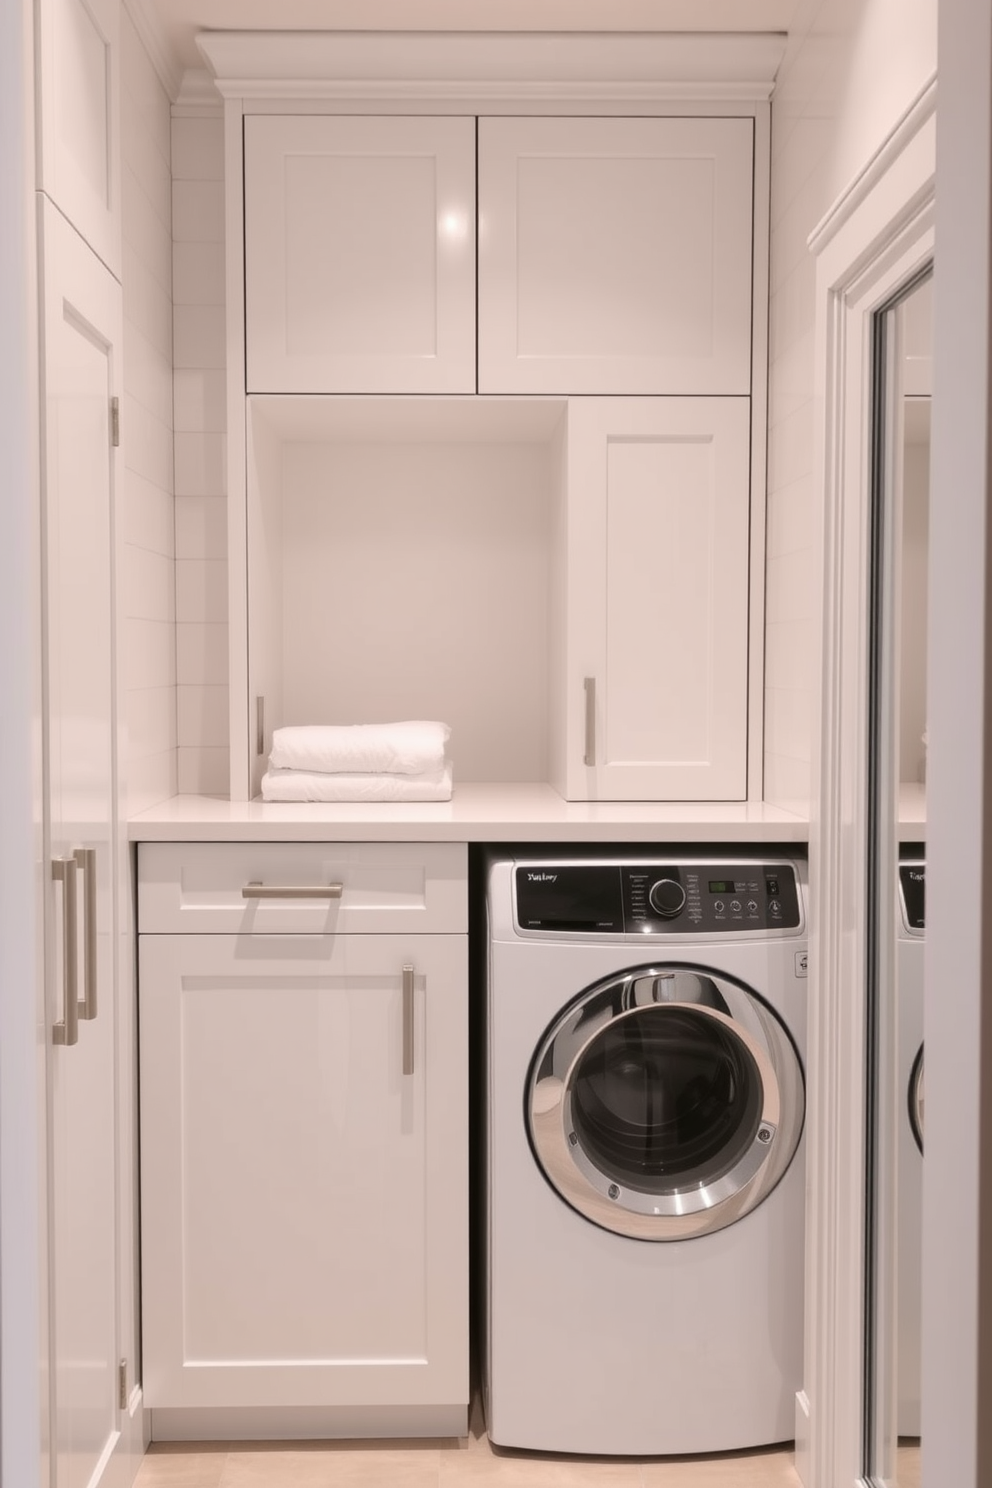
(304, 1160)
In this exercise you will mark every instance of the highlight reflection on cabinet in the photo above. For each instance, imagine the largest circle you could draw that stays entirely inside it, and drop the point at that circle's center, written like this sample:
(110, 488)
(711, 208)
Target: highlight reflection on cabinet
(304, 1142)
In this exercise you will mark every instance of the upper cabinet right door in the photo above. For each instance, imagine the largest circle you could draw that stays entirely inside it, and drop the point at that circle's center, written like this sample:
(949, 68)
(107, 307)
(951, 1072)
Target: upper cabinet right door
(360, 254)
(615, 255)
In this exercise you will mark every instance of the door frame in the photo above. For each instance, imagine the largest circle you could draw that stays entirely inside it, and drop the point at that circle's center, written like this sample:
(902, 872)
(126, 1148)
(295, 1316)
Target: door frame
(874, 239)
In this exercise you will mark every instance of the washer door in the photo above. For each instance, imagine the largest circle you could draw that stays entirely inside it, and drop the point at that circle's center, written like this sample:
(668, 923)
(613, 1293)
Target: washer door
(666, 1102)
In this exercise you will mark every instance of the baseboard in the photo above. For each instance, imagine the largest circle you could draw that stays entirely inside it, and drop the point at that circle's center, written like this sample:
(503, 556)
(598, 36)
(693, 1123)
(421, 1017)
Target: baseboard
(302, 1423)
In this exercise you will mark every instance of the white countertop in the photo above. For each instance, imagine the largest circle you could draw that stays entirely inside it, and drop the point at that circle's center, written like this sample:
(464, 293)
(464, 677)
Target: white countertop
(476, 813)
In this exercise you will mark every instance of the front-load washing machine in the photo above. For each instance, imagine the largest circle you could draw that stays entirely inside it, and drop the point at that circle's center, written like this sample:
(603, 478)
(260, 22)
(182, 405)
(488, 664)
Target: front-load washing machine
(646, 1026)
(909, 1152)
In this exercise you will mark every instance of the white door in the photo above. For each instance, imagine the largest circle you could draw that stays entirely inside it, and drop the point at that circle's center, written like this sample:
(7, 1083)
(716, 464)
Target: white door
(81, 339)
(304, 1170)
(656, 634)
(360, 255)
(615, 255)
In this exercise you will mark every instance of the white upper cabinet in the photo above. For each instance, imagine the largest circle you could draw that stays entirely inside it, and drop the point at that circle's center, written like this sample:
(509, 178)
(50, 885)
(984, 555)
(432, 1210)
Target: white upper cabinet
(360, 254)
(655, 648)
(79, 118)
(615, 255)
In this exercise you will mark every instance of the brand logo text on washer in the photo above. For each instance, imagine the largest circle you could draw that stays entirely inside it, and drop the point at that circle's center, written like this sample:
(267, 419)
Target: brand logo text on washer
(542, 877)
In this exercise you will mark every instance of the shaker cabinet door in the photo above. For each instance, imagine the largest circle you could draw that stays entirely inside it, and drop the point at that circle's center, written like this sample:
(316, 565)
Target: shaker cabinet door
(304, 1170)
(615, 255)
(360, 254)
(656, 635)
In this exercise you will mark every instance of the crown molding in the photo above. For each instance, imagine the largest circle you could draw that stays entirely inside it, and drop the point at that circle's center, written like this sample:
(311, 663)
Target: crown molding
(907, 127)
(198, 96)
(323, 64)
(153, 38)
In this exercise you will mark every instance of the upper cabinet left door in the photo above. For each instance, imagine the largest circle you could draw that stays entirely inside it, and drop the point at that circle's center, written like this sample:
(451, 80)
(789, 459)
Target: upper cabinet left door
(359, 254)
(79, 119)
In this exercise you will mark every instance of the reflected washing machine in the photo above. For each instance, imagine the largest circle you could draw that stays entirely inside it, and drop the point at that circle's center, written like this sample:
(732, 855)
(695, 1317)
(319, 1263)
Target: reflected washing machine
(909, 1156)
(644, 1226)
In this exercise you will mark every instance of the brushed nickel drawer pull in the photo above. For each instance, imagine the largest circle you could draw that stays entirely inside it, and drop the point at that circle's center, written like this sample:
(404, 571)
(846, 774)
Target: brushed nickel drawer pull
(86, 858)
(64, 871)
(408, 1053)
(590, 754)
(258, 890)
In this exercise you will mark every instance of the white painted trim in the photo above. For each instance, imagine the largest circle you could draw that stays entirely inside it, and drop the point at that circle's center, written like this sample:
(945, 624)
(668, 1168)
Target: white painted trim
(367, 64)
(237, 524)
(147, 22)
(924, 105)
(759, 452)
(957, 1245)
(23, 1448)
(882, 236)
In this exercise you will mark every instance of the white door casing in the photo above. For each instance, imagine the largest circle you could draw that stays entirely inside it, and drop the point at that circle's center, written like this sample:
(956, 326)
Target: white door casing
(875, 239)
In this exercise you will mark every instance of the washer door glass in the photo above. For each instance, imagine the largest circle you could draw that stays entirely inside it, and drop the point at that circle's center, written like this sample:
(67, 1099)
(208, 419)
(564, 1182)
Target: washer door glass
(665, 1103)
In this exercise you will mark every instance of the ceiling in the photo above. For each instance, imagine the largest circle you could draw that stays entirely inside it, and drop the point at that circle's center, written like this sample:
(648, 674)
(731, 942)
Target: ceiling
(181, 19)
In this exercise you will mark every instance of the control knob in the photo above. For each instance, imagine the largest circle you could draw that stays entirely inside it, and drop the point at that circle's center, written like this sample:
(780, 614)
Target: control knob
(667, 897)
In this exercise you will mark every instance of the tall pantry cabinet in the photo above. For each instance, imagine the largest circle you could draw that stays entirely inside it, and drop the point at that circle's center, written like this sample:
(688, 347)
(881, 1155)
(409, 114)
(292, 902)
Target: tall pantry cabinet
(89, 1189)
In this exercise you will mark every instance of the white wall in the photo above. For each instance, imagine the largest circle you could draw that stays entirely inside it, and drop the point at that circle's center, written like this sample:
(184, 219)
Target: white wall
(201, 484)
(851, 69)
(147, 616)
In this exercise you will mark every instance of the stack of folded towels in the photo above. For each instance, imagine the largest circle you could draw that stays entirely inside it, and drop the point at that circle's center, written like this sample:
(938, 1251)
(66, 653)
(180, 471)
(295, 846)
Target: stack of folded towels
(359, 762)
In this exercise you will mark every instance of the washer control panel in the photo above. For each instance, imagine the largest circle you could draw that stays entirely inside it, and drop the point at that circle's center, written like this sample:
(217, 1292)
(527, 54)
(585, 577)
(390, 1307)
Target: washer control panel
(675, 897)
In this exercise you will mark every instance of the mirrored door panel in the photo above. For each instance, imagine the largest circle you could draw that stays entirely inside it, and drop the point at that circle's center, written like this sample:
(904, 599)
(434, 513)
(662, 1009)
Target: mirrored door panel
(896, 778)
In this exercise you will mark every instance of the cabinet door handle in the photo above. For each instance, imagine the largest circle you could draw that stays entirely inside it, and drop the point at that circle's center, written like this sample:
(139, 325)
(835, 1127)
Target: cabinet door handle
(86, 859)
(590, 754)
(257, 890)
(67, 1032)
(408, 1020)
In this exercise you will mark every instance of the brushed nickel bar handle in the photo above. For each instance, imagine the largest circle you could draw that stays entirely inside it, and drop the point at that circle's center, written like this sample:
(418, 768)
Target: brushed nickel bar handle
(257, 890)
(408, 1020)
(86, 858)
(67, 1032)
(590, 754)
(260, 725)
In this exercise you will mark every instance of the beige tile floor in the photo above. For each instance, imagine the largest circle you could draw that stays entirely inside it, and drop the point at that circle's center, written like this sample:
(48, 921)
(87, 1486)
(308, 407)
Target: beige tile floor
(471, 1463)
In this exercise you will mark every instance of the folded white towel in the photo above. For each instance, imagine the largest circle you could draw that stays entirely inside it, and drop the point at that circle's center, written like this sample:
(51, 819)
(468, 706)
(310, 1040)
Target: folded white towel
(407, 748)
(303, 785)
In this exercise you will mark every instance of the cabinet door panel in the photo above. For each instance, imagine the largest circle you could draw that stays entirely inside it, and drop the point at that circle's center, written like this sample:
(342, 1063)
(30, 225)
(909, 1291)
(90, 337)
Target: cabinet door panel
(304, 1196)
(658, 597)
(360, 254)
(615, 255)
(82, 335)
(80, 117)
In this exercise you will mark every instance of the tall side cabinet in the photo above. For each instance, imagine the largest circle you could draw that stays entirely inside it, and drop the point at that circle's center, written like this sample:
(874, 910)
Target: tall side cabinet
(92, 1409)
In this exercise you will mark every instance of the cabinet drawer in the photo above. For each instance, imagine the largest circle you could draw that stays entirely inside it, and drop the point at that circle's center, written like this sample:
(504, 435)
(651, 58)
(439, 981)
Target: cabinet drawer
(199, 888)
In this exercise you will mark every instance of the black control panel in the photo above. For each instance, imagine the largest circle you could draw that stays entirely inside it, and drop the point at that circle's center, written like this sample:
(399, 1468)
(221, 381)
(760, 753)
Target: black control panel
(676, 897)
(912, 885)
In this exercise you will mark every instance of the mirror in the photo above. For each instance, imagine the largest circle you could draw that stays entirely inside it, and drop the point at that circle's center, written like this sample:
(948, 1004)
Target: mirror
(896, 776)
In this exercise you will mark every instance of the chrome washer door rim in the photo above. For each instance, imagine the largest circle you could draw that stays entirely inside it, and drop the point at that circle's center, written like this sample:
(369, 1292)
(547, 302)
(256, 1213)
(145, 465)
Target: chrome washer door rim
(691, 1208)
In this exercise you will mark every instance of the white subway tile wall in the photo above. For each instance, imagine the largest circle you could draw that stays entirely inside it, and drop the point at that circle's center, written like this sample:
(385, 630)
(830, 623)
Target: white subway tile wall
(851, 68)
(145, 503)
(200, 474)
